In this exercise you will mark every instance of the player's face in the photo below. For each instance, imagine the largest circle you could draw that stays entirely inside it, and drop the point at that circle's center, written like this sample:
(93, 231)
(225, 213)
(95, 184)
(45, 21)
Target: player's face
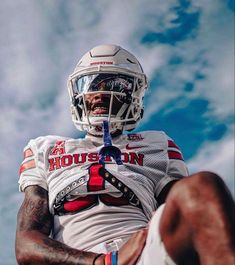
(106, 88)
(99, 104)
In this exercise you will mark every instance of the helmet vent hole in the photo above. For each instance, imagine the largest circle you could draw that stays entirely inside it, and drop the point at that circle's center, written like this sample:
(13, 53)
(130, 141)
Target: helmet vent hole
(130, 61)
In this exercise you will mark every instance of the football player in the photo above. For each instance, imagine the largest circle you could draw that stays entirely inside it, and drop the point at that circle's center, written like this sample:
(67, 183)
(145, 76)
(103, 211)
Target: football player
(116, 197)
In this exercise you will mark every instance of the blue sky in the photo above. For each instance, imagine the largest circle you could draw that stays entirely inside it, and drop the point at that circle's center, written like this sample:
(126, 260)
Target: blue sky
(185, 47)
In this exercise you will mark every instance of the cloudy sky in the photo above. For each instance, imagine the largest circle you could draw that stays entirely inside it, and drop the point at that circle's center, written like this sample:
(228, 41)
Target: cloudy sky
(185, 47)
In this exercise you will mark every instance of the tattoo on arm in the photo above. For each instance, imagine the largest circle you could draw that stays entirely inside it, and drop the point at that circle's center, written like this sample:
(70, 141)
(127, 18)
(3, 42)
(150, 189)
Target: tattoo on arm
(34, 213)
(33, 230)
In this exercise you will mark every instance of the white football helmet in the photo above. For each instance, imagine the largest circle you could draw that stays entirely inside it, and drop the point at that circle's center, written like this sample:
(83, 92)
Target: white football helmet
(113, 71)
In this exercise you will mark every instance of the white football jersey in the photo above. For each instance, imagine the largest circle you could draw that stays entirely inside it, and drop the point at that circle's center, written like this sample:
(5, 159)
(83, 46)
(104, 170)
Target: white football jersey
(95, 210)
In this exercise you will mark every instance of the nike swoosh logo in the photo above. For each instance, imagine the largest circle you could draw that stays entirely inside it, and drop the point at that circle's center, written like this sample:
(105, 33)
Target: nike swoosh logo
(128, 147)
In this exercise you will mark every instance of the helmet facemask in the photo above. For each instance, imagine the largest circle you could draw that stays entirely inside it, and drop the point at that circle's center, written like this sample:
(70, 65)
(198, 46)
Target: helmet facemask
(106, 96)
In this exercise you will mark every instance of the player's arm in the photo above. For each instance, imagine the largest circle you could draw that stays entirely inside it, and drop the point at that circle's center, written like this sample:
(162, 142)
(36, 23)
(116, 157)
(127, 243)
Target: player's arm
(33, 244)
(197, 224)
(165, 191)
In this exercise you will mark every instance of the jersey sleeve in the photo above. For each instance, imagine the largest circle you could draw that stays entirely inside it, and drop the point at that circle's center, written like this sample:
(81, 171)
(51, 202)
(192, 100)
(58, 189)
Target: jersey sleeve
(31, 172)
(176, 167)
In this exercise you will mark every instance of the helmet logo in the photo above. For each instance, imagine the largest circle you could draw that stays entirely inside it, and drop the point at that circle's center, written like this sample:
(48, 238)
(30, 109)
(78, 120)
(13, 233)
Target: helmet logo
(101, 63)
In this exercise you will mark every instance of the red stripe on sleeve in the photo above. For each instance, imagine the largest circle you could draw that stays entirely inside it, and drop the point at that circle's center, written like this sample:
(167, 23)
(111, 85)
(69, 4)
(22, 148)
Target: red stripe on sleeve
(175, 155)
(27, 165)
(28, 152)
(172, 144)
(95, 182)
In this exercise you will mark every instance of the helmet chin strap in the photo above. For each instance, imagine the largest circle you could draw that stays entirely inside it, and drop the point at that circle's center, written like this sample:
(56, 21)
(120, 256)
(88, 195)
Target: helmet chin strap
(108, 149)
(96, 130)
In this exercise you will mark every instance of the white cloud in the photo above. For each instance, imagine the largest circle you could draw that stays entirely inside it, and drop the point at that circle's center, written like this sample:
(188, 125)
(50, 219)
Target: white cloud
(217, 157)
(43, 40)
(210, 54)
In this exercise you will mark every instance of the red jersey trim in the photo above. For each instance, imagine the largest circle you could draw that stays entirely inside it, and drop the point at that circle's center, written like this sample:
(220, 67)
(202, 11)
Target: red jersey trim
(173, 144)
(175, 155)
(113, 201)
(81, 203)
(95, 182)
(27, 165)
(28, 152)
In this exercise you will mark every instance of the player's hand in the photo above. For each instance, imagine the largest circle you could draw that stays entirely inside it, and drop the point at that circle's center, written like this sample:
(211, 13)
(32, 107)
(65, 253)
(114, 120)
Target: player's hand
(132, 249)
